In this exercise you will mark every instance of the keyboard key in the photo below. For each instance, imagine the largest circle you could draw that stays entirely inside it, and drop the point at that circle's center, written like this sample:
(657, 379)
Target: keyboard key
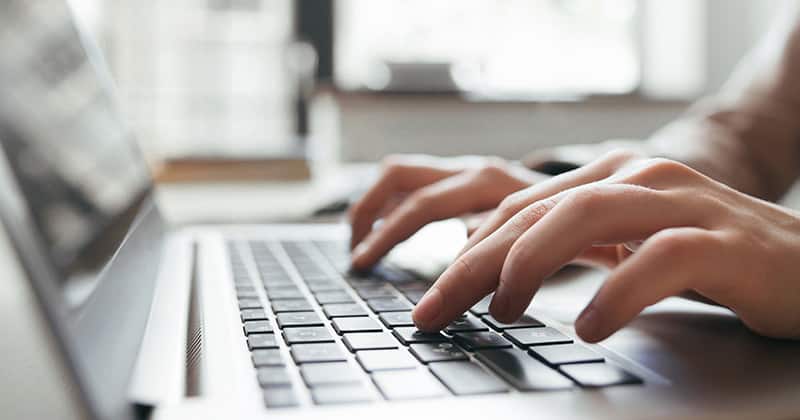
(408, 384)
(267, 357)
(482, 307)
(466, 323)
(273, 376)
(285, 293)
(336, 296)
(262, 341)
(326, 286)
(341, 394)
(481, 340)
(414, 285)
(369, 341)
(280, 397)
(373, 292)
(298, 319)
(279, 284)
(467, 378)
(536, 336)
(375, 360)
(523, 371)
(437, 352)
(249, 304)
(316, 374)
(389, 304)
(333, 310)
(558, 354)
(396, 319)
(317, 352)
(291, 305)
(297, 335)
(355, 324)
(524, 321)
(253, 315)
(252, 327)
(410, 335)
(594, 375)
(246, 294)
(414, 295)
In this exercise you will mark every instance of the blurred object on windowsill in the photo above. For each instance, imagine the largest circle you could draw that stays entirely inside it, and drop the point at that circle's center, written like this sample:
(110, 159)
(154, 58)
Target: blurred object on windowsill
(232, 168)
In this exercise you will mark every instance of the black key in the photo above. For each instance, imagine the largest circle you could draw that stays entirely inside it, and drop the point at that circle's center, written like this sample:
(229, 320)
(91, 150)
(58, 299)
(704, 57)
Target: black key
(467, 378)
(369, 341)
(252, 327)
(327, 286)
(410, 335)
(414, 295)
(317, 352)
(333, 310)
(536, 336)
(267, 357)
(249, 304)
(437, 352)
(414, 285)
(389, 304)
(298, 319)
(262, 341)
(375, 360)
(307, 335)
(524, 321)
(408, 384)
(246, 294)
(273, 376)
(352, 393)
(376, 292)
(285, 293)
(335, 296)
(482, 307)
(595, 375)
(280, 397)
(481, 340)
(316, 374)
(253, 315)
(558, 354)
(523, 371)
(291, 305)
(466, 323)
(355, 324)
(396, 319)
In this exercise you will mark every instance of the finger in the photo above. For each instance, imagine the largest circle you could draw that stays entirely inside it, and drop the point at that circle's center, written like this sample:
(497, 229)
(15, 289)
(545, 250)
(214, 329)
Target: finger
(595, 171)
(669, 263)
(589, 215)
(607, 256)
(463, 193)
(395, 179)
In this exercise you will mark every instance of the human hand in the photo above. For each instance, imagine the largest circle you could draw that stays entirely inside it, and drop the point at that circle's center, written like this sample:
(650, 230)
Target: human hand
(699, 236)
(413, 191)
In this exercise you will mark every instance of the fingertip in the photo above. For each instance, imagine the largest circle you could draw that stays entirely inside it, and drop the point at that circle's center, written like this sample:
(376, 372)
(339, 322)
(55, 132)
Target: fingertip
(589, 325)
(499, 309)
(426, 313)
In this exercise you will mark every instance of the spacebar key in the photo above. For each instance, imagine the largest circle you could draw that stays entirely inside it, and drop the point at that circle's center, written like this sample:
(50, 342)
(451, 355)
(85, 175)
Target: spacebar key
(523, 371)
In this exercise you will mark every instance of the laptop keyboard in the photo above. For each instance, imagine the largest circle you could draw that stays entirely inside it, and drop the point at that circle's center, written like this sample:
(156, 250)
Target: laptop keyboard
(352, 340)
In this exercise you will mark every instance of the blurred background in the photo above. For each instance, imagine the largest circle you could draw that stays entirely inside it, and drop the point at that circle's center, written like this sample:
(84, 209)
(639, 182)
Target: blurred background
(359, 79)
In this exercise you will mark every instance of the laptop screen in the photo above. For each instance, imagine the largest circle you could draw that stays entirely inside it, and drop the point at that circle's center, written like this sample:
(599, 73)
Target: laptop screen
(71, 154)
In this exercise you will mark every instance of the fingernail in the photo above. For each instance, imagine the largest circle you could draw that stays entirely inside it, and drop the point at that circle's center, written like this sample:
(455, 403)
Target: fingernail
(428, 308)
(499, 306)
(359, 251)
(588, 323)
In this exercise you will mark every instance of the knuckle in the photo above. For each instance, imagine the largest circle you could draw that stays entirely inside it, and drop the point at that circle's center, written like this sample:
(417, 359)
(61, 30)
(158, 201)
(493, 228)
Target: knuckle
(513, 202)
(621, 156)
(673, 245)
(493, 168)
(585, 200)
(420, 200)
(522, 220)
(661, 168)
(391, 163)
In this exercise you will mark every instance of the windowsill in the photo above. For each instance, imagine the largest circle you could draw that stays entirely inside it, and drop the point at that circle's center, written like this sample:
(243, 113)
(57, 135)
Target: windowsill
(634, 98)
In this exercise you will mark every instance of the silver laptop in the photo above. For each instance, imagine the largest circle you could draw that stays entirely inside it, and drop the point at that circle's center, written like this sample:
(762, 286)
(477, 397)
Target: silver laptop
(106, 313)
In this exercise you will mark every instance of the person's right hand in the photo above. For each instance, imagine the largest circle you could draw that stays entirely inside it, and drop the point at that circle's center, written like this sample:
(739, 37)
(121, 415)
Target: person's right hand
(415, 190)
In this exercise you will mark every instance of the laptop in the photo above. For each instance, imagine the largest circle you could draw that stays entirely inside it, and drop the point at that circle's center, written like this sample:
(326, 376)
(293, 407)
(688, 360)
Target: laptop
(108, 313)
